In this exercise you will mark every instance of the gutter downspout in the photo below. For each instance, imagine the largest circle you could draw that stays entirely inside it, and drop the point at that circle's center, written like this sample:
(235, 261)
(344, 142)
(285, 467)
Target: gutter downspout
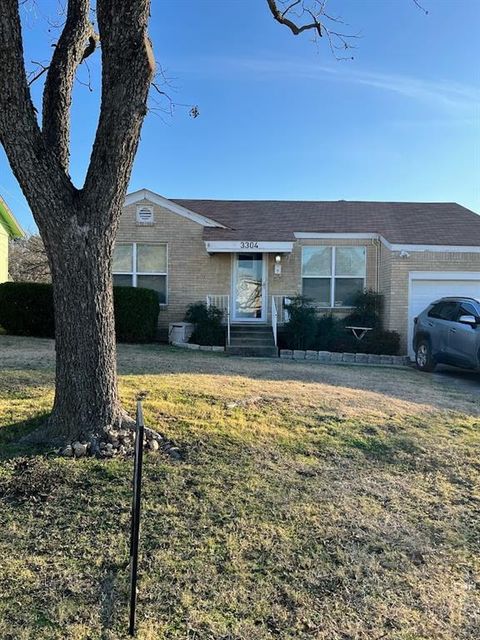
(376, 242)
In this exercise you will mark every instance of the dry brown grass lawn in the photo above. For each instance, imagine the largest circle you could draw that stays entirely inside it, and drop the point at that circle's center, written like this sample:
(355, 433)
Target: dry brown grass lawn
(314, 502)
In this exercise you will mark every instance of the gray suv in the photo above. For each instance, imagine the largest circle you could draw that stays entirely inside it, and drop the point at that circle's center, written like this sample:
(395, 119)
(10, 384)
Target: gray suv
(448, 332)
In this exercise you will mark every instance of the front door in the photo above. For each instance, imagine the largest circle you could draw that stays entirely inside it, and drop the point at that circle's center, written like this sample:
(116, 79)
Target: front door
(249, 281)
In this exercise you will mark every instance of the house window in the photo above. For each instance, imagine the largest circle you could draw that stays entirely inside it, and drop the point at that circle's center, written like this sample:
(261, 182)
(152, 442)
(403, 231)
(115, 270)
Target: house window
(331, 276)
(141, 264)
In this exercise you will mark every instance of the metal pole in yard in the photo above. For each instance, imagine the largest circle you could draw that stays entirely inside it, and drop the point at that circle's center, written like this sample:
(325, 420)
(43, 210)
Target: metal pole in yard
(135, 526)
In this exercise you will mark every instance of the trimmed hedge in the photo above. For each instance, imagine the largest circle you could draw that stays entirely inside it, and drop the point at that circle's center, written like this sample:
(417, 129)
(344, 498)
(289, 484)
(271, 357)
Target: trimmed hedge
(301, 328)
(378, 342)
(136, 314)
(26, 309)
(368, 310)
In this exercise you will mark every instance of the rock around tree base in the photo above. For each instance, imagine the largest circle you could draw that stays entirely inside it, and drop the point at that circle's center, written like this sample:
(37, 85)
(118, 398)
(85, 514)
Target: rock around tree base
(121, 442)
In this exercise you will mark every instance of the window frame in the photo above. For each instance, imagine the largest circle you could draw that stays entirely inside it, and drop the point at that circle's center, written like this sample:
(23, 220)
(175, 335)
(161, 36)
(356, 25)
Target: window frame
(333, 276)
(134, 273)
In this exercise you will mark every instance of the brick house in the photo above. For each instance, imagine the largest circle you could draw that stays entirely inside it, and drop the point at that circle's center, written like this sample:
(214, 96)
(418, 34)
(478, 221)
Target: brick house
(248, 256)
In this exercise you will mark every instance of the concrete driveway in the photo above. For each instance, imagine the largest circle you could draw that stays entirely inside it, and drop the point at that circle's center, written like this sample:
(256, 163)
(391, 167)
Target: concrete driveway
(457, 378)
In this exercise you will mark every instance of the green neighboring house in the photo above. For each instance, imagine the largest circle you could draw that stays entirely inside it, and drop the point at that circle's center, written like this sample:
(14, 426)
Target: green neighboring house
(9, 228)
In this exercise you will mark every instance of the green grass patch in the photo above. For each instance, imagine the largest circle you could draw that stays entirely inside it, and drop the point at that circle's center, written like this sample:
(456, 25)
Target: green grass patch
(313, 503)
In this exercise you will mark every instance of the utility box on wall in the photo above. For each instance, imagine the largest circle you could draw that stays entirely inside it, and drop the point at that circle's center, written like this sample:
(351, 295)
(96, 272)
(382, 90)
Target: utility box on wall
(179, 331)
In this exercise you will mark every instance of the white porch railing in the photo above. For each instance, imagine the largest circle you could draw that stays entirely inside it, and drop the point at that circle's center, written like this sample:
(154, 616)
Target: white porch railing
(274, 320)
(221, 302)
(279, 313)
(280, 304)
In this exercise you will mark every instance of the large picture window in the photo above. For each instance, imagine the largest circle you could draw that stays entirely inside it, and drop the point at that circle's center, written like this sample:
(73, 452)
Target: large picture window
(141, 264)
(331, 276)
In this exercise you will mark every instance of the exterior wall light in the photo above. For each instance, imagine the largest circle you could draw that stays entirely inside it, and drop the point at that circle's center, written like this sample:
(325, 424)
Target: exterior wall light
(278, 265)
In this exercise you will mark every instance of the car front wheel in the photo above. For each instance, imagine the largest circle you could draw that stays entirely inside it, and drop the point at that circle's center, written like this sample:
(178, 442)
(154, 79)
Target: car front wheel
(423, 357)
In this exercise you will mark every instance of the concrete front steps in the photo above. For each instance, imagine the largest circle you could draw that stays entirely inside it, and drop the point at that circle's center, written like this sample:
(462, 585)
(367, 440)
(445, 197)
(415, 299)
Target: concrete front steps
(252, 340)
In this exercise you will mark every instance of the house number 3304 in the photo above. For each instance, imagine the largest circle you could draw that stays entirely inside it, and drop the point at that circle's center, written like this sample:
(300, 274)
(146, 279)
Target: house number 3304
(248, 245)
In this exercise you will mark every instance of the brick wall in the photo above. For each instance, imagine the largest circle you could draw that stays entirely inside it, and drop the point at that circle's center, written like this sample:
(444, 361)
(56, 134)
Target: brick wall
(192, 272)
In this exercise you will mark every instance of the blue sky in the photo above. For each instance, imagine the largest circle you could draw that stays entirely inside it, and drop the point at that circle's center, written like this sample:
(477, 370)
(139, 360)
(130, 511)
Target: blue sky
(280, 118)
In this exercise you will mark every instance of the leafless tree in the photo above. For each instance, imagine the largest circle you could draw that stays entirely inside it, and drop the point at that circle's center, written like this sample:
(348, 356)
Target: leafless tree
(78, 225)
(27, 260)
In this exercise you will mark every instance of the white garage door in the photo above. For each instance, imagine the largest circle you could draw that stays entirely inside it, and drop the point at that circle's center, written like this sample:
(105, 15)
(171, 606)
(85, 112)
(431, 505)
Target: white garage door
(427, 287)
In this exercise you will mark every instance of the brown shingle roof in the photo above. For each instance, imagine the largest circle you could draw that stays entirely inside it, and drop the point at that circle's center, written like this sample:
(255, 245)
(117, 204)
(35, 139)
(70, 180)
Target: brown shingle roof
(442, 223)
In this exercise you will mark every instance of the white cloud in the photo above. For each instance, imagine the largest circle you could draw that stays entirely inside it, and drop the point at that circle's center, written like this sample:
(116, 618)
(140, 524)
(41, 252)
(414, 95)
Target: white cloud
(444, 94)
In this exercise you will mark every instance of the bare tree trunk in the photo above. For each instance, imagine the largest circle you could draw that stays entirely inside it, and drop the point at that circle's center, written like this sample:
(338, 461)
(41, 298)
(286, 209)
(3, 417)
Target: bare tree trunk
(78, 226)
(86, 397)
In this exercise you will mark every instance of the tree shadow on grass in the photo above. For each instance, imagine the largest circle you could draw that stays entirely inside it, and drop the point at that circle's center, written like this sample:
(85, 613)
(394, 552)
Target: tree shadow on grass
(459, 391)
(12, 436)
(109, 598)
(377, 448)
(399, 451)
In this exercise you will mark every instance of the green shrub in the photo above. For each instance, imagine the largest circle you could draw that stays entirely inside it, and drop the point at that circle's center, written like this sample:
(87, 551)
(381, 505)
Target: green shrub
(380, 342)
(207, 321)
(368, 310)
(332, 335)
(306, 330)
(301, 329)
(26, 309)
(330, 331)
(136, 314)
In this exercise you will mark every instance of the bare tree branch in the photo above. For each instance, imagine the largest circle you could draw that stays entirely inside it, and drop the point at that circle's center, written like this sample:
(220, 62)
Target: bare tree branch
(311, 15)
(77, 42)
(28, 261)
(128, 68)
(290, 6)
(168, 106)
(421, 7)
(282, 18)
(36, 169)
(88, 82)
(35, 75)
